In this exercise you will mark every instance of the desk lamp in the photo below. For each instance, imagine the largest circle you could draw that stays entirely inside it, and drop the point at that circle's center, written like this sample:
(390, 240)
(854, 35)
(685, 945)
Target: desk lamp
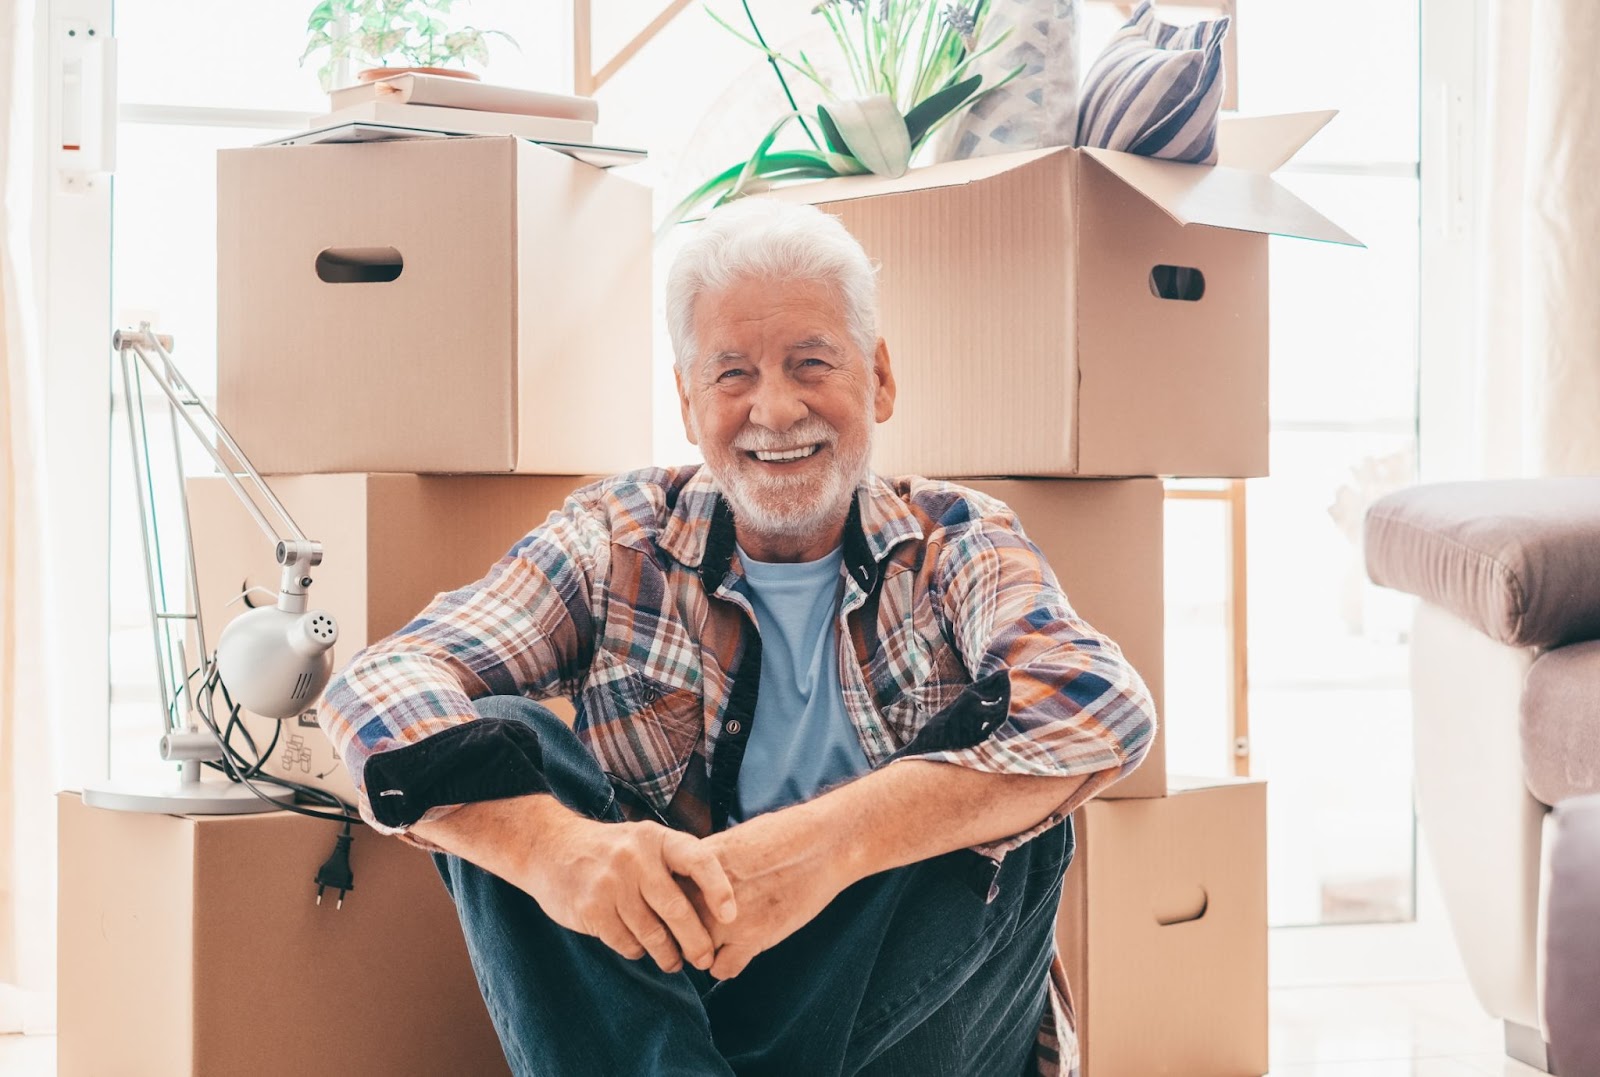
(272, 660)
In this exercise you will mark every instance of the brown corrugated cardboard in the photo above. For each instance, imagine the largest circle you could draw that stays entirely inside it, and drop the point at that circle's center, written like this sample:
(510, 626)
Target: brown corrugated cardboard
(1104, 539)
(390, 544)
(1038, 324)
(1163, 929)
(438, 305)
(192, 946)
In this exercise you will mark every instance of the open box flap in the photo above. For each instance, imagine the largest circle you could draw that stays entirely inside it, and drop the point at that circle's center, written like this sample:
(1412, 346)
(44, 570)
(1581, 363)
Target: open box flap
(945, 174)
(1220, 197)
(1266, 143)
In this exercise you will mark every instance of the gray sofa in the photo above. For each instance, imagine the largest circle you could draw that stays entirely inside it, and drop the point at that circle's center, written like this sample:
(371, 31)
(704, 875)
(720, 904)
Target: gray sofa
(1505, 672)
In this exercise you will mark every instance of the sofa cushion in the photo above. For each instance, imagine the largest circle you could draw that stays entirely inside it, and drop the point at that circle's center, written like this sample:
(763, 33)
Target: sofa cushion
(1561, 723)
(1518, 559)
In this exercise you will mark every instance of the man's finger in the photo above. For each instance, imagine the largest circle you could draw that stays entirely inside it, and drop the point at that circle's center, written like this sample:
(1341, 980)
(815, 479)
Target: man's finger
(652, 934)
(615, 934)
(731, 960)
(687, 856)
(669, 902)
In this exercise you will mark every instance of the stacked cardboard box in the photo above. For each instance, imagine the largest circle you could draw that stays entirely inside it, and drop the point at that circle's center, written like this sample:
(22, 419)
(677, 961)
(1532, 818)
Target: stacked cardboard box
(192, 946)
(1074, 319)
(425, 345)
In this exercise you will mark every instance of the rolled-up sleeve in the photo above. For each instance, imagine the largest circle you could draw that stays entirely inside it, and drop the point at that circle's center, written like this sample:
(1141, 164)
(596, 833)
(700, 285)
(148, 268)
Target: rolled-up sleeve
(1051, 695)
(525, 628)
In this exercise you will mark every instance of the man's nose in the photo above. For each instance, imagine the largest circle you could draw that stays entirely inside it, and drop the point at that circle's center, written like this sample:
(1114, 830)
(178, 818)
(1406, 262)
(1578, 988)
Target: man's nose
(776, 405)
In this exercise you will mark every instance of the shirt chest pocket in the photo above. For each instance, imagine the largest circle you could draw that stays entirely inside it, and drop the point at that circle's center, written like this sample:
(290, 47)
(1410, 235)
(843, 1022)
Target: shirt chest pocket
(639, 729)
(914, 672)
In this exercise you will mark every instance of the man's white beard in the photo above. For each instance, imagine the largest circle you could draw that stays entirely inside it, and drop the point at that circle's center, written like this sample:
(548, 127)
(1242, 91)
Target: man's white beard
(793, 507)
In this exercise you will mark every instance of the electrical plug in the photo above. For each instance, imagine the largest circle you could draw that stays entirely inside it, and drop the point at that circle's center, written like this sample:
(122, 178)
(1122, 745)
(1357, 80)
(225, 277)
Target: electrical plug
(335, 872)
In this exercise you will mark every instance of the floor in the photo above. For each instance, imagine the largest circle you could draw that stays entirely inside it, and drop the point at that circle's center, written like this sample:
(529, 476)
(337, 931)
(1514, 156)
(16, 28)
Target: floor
(1373, 1030)
(1385, 1030)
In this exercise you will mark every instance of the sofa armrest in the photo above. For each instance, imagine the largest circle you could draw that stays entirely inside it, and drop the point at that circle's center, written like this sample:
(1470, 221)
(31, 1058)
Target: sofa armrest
(1517, 559)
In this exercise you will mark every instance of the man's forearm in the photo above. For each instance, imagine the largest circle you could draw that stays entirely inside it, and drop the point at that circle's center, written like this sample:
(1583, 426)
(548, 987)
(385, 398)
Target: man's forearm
(916, 809)
(497, 835)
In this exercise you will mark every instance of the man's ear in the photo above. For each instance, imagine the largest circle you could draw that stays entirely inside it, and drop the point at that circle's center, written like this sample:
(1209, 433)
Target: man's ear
(683, 406)
(883, 399)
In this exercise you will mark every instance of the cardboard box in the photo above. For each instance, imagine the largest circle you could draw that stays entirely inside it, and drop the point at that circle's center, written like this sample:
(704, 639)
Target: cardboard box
(1104, 539)
(472, 305)
(390, 544)
(192, 946)
(1163, 929)
(1037, 322)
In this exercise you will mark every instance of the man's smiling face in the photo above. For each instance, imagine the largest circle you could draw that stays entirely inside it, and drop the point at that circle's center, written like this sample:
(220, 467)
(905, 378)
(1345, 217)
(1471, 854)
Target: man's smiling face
(782, 402)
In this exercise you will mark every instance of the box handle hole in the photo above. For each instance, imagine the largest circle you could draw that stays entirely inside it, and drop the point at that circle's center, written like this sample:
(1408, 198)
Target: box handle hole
(1177, 282)
(359, 265)
(1181, 908)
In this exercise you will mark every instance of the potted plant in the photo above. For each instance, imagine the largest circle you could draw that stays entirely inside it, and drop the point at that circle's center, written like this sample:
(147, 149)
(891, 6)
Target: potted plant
(390, 37)
(910, 69)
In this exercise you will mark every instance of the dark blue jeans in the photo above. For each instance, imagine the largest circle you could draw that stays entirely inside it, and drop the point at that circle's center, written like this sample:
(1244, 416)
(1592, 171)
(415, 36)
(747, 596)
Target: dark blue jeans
(908, 972)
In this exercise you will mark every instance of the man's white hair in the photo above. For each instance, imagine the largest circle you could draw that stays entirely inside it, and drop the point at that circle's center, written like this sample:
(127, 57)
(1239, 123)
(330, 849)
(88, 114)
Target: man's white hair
(762, 238)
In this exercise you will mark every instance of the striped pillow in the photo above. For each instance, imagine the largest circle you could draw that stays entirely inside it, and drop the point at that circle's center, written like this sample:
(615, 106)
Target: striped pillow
(1156, 89)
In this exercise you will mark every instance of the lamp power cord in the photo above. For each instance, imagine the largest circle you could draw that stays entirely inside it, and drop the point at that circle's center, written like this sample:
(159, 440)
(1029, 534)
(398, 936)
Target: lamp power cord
(335, 872)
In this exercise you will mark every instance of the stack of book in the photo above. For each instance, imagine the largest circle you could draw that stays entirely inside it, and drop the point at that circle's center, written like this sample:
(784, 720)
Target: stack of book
(463, 106)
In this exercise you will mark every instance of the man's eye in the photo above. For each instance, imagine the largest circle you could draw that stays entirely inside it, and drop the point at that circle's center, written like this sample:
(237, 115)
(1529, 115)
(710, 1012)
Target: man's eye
(730, 373)
(811, 359)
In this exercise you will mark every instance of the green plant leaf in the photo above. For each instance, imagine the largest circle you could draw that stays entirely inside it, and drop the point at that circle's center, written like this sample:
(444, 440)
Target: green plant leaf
(930, 110)
(830, 131)
(768, 179)
(875, 132)
(845, 165)
(320, 16)
(783, 165)
(973, 100)
(801, 158)
(753, 165)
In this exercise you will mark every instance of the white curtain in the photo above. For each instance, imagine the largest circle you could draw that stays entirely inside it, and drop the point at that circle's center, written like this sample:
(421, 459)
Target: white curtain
(1537, 345)
(27, 720)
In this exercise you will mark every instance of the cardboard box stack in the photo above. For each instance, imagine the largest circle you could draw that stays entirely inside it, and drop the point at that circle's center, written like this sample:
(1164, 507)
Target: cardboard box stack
(1083, 322)
(416, 338)
(424, 345)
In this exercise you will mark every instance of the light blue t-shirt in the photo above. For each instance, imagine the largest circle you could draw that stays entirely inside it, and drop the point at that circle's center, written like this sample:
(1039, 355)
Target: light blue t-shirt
(801, 740)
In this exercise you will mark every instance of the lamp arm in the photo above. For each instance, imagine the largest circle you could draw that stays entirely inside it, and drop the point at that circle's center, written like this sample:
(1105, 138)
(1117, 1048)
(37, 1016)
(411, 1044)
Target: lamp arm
(271, 661)
(296, 553)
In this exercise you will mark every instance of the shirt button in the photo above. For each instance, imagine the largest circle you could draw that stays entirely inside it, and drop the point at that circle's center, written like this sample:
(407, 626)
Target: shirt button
(734, 727)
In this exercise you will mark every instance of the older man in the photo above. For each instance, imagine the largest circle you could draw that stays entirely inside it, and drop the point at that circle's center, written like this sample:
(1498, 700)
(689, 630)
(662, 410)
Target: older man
(830, 727)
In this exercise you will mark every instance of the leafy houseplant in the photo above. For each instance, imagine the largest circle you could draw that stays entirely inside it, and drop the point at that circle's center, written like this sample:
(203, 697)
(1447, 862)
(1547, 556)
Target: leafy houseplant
(410, 34)
(908, 62)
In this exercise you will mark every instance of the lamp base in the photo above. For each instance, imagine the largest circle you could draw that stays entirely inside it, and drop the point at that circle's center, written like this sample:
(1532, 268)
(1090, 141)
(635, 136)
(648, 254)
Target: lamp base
(180, 797)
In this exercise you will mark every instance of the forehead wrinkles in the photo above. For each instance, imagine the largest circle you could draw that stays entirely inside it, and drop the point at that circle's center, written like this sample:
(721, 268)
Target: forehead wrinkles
(752, 304)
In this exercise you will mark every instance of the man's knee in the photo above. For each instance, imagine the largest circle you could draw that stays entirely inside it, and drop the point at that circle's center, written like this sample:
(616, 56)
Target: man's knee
(569, 770)
(517, 709)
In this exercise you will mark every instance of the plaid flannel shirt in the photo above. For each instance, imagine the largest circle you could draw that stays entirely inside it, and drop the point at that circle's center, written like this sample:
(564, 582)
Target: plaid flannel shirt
(956, 645)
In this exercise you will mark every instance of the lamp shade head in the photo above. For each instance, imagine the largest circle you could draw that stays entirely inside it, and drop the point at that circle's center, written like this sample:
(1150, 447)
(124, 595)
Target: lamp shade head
(274, 662)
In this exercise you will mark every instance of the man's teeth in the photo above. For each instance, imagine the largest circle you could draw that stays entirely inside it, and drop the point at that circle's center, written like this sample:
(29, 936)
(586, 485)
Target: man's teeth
(788, 454)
